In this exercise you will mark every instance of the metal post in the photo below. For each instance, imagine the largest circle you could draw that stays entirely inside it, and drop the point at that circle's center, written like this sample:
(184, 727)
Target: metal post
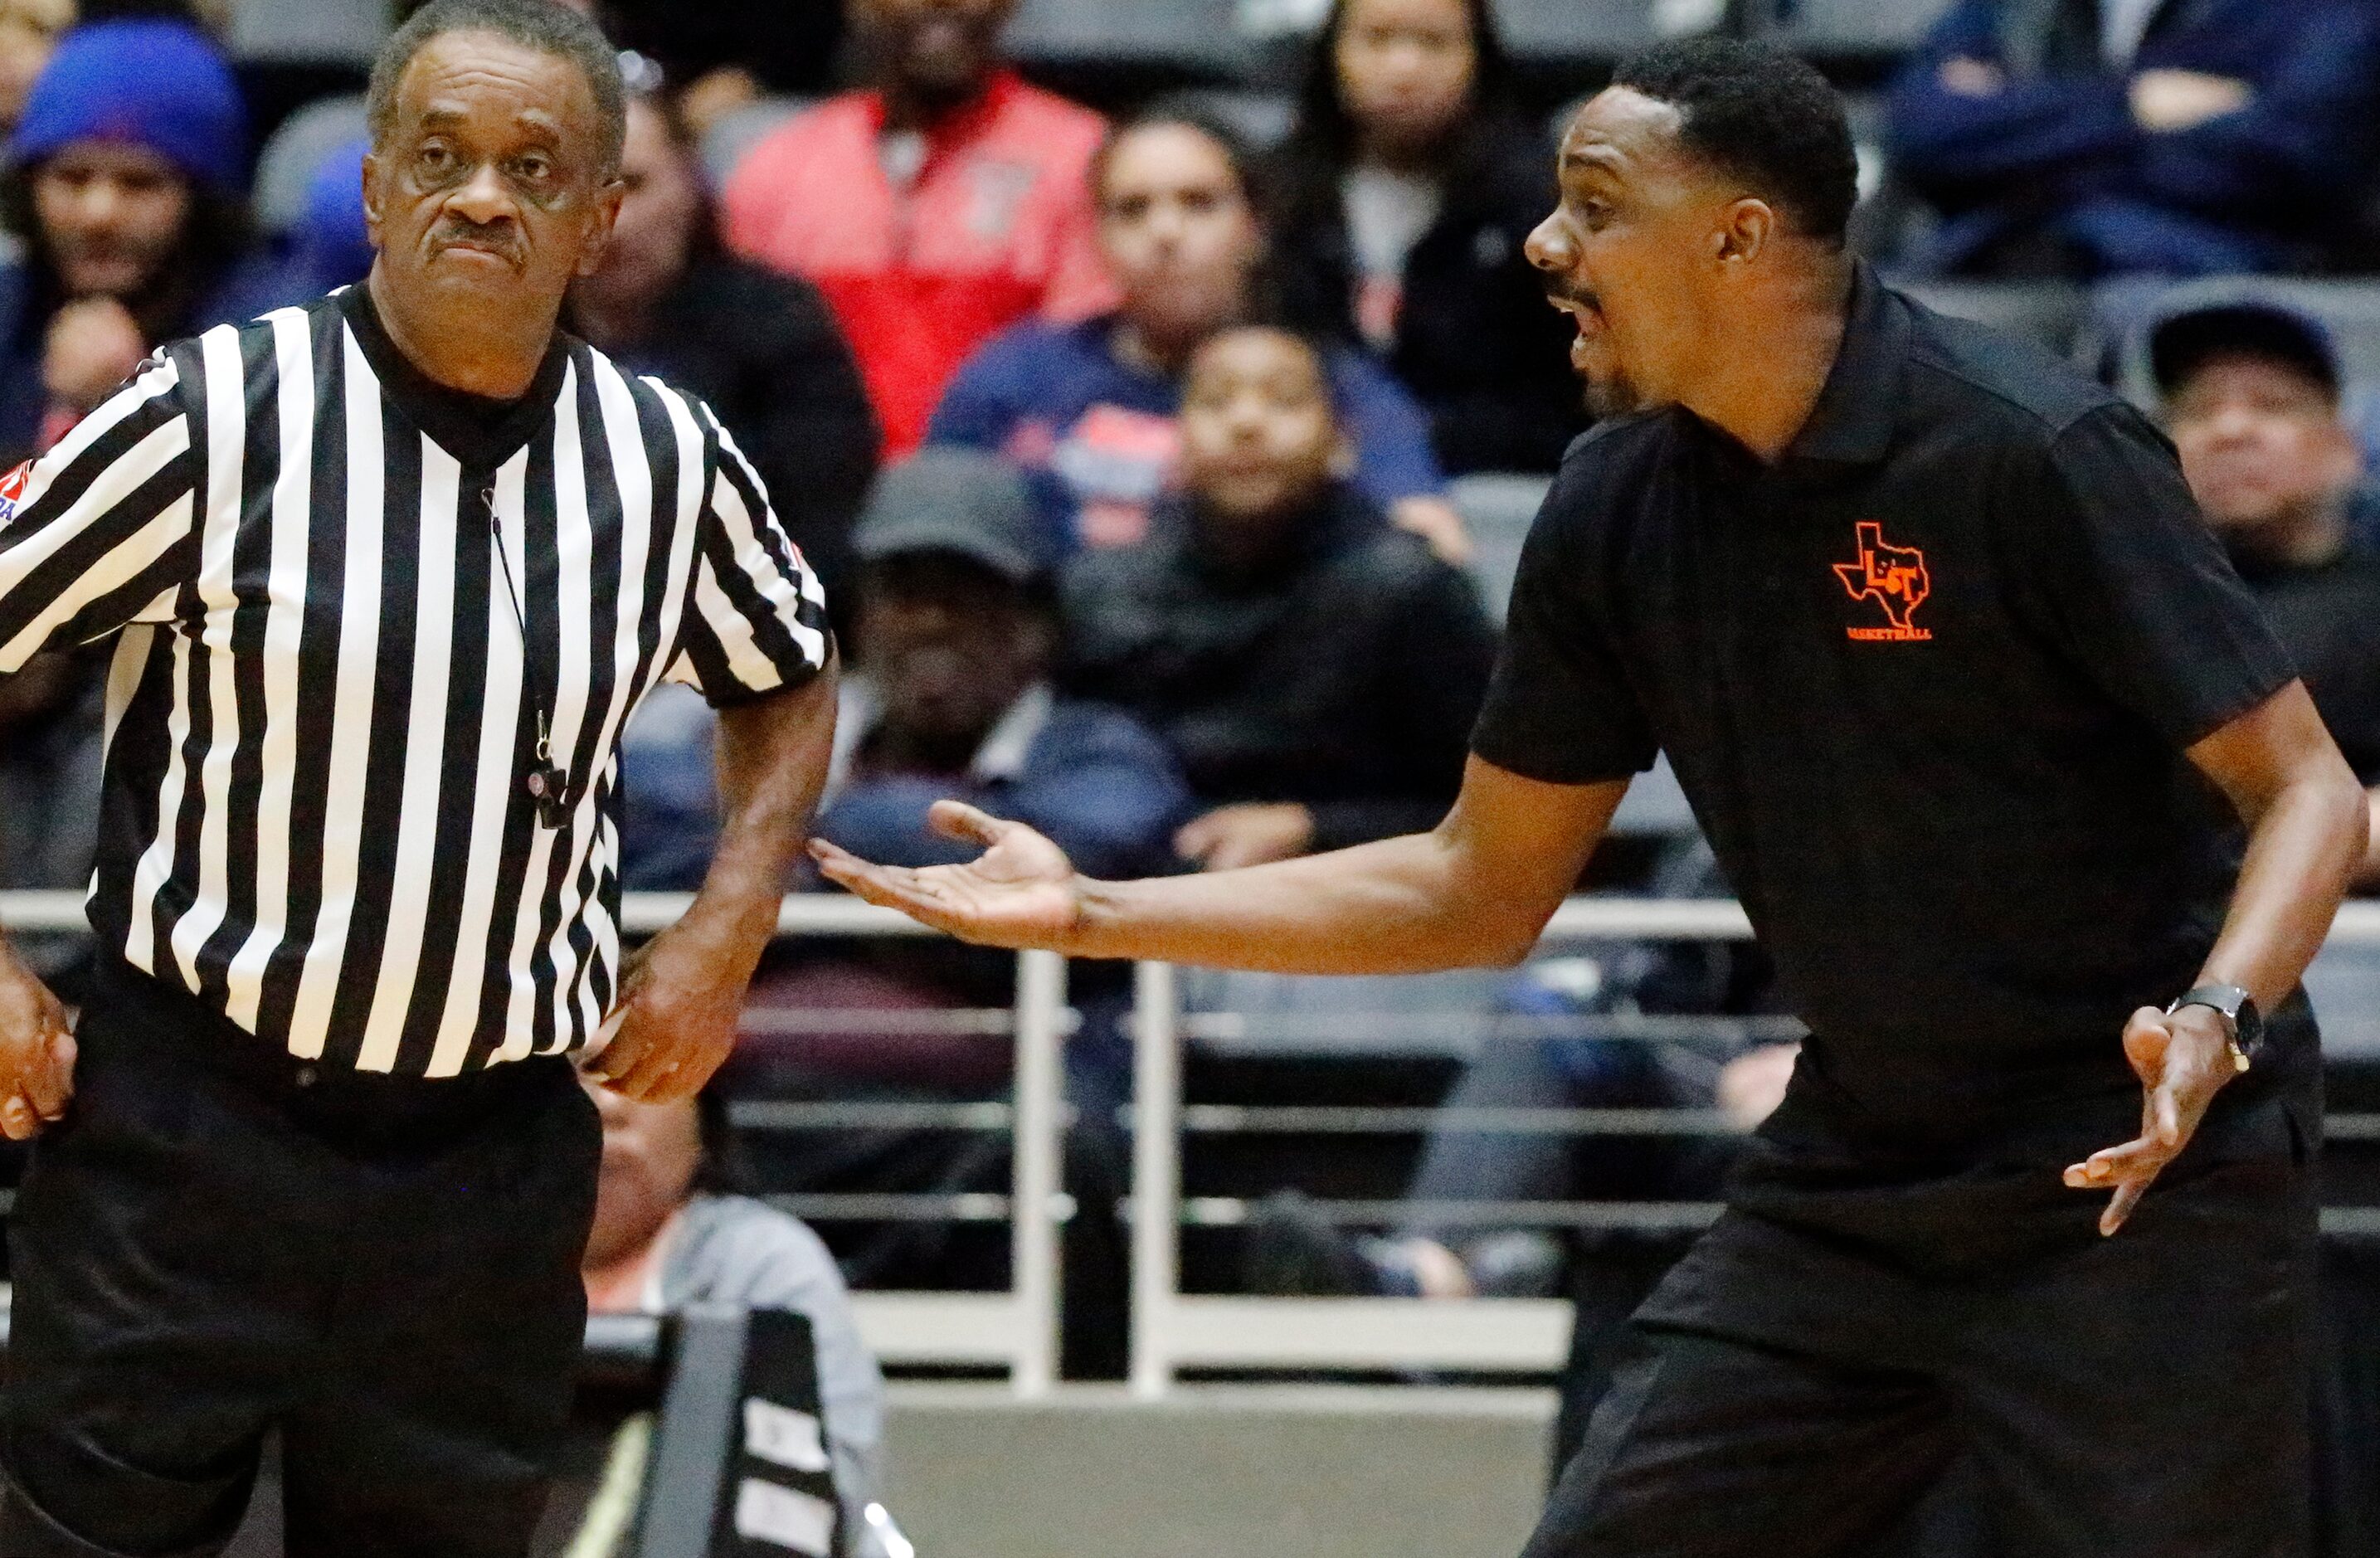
(1155, 1174)
(1033, 1202)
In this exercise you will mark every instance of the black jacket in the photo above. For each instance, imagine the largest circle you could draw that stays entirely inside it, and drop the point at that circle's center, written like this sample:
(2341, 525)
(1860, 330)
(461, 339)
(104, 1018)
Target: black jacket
(1344, 674)
(765, 354)
(1475, 343)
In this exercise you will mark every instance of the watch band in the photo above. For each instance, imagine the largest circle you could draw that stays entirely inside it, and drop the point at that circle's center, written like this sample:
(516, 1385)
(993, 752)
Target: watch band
(2243, 1026)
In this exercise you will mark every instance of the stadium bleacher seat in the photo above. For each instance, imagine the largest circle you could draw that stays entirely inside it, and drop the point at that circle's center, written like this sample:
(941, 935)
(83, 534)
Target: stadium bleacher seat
(1558, 30)
(1197, 37)
(2047, 312)
(1497, 507)
(329, 31)
(739, 131)
(1260, 118)
(2120, 313)
(294, 150)
(1829, 29)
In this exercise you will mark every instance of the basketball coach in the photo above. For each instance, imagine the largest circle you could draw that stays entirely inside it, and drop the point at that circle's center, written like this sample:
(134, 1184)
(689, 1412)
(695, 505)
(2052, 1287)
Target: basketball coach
(389, 573)
(2035, 818)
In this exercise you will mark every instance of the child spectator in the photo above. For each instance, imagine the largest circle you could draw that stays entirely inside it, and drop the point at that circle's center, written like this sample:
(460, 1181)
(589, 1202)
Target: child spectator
(1090, 409)
(126, 181)
(763, 349)
(1405, 194)
(1315, 670)
(945, 202)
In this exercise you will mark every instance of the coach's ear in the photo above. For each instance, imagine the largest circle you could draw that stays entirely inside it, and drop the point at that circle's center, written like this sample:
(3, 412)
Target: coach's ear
(1745, 228)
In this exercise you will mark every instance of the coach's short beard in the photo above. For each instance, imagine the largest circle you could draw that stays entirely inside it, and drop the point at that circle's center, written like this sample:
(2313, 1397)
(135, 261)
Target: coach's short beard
(1614, 396)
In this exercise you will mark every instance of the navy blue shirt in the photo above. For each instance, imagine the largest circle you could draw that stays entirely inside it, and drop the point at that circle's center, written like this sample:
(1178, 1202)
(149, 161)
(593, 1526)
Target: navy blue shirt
(1929, 680)
(2058, 153)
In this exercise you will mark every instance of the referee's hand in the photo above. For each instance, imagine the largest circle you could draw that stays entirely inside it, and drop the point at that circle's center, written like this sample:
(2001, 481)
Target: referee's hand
(37, 1052)
(2183, 1060)
(673, 1021)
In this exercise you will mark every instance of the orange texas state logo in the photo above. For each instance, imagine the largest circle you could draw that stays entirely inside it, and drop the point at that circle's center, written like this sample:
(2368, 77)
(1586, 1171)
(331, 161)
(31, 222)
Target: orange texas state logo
(1895, 579)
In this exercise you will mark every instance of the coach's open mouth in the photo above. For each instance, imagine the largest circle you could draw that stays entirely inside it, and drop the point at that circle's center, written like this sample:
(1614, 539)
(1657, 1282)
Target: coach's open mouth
(1589, 317)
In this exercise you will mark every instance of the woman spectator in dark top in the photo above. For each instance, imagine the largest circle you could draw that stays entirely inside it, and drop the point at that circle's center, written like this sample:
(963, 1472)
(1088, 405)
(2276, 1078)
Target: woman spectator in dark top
(761, 348)
(1406, 191)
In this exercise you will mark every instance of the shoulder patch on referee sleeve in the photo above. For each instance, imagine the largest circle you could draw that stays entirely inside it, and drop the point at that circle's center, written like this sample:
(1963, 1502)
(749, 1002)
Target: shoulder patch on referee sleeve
(12, 489)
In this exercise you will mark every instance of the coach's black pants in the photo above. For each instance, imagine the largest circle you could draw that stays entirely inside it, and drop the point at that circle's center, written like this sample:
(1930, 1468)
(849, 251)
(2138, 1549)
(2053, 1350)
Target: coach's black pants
(219, 1240)
(2143, 1396)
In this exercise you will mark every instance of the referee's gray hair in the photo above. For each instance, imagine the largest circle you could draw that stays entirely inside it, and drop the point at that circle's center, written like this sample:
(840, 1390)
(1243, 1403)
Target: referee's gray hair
(541, 25)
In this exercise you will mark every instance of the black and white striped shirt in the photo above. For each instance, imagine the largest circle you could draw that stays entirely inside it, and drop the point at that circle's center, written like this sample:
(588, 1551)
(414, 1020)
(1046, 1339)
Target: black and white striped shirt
(321, 710)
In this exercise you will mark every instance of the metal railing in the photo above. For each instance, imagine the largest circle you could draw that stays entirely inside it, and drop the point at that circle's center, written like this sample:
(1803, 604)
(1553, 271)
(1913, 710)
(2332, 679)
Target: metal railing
(1173, 1331)
(1016, 1329)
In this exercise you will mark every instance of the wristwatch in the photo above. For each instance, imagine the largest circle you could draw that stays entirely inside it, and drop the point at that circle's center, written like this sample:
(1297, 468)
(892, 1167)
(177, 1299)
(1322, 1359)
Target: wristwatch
(2243, 1024)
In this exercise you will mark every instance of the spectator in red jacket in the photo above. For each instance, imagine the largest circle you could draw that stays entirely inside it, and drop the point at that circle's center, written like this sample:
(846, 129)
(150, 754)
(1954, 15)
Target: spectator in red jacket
(933, 208)
(762, 349)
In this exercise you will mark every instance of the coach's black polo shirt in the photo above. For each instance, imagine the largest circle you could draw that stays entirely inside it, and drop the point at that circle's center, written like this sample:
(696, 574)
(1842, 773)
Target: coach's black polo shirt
(1927, 680)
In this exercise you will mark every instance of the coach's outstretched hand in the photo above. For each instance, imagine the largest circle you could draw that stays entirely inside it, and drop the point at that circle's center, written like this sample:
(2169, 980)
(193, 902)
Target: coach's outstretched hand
(1021, 891)
(37, 1051)
(2183, 1060)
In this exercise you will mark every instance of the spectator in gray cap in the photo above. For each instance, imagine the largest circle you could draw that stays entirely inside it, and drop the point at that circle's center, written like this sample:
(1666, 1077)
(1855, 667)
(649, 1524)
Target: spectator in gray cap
(956, 630)
(2251, 393)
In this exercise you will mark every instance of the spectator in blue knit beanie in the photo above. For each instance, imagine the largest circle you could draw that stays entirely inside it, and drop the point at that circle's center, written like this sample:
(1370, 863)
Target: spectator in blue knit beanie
(125, 178)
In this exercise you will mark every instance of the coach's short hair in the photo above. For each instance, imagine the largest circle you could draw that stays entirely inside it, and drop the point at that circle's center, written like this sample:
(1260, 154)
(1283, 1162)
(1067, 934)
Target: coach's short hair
(541, 25)
(1762, 117)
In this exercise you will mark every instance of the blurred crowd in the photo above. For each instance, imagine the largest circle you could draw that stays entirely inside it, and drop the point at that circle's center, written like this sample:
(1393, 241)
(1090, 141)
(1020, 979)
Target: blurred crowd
(1130, 444)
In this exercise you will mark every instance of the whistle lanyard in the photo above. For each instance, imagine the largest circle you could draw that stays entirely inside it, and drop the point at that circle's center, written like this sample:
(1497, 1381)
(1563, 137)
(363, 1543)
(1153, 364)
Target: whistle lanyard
(548, 786)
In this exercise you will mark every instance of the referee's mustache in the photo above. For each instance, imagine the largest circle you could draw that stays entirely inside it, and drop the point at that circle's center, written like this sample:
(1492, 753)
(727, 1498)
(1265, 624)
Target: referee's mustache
(499, 238)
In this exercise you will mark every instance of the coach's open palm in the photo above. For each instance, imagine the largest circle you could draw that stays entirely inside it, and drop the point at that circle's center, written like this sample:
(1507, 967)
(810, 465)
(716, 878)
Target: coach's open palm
(1021, 891)
(2183, 1059)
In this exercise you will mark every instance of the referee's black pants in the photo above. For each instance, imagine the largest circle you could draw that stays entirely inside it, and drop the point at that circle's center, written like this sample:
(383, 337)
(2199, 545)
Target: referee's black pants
(219, 1240)
(2143, 1396)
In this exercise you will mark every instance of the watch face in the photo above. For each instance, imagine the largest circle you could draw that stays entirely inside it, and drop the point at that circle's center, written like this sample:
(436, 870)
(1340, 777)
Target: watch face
(2249, 1023)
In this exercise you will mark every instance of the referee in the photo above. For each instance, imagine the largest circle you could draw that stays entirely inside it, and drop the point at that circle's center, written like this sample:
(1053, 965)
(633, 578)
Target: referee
(2037, 820)
(389, 573)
